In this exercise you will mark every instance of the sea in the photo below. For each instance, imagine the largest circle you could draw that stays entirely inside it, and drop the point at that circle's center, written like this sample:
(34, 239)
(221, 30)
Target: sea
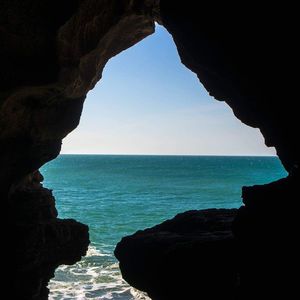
(116, 195)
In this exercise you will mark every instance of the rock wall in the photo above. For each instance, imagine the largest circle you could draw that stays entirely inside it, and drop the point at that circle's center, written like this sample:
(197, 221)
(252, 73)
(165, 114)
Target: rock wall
(38, 241)
(245, 54)
(53, 52)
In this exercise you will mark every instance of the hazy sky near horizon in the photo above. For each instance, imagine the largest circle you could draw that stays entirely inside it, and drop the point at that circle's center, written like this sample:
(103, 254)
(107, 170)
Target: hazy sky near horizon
(147, 102)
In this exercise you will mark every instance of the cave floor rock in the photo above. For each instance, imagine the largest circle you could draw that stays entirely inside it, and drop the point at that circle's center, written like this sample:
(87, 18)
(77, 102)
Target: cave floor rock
(191, 254)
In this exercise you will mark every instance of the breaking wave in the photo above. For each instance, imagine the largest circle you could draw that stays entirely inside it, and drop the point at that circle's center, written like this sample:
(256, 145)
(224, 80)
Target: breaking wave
(96, 276)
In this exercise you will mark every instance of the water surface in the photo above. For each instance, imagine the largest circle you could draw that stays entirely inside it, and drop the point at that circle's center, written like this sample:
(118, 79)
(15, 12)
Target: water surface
(116, 195)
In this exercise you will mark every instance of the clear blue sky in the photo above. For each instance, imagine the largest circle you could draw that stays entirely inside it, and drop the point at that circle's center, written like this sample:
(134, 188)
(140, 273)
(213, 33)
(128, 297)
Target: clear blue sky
(147, 102)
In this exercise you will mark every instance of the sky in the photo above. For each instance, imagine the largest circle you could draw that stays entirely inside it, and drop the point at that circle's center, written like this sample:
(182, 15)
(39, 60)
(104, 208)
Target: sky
(148, 102)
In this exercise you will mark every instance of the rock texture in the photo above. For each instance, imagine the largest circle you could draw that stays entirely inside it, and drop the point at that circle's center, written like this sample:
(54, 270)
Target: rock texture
(53, 52)
(190, 255)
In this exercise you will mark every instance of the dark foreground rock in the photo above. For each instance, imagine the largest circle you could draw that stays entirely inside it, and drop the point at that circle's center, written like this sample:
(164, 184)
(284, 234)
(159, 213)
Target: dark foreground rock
(189, 255)
(39, 241)
(266, 231)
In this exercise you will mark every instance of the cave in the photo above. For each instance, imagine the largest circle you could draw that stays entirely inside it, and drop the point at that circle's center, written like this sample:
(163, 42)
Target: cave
(52, 53)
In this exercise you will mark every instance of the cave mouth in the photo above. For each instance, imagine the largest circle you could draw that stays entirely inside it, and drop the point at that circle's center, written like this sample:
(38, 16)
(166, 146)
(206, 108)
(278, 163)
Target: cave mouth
(116, 195)
(54, 53)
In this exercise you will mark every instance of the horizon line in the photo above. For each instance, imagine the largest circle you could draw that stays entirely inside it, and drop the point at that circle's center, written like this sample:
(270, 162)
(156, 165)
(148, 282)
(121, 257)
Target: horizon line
(150, 154)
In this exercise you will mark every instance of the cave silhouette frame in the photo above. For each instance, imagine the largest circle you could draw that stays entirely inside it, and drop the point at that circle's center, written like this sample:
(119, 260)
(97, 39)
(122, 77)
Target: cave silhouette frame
(226, 292)
(52, 57)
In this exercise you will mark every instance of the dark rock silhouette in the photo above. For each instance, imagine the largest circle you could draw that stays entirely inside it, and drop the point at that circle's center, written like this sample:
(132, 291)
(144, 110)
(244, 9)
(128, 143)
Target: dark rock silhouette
(265, 230)
(39, 241)
(193, 253)
(53, 52)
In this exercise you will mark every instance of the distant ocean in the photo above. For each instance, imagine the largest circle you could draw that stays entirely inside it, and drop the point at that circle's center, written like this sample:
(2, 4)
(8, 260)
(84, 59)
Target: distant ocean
(117, 195)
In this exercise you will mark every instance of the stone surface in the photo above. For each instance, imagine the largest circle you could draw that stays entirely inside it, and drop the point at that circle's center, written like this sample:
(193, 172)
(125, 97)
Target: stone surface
(191, 254)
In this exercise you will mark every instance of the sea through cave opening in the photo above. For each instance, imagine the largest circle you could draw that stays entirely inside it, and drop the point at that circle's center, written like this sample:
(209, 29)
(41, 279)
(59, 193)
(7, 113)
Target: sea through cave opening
(165, 147)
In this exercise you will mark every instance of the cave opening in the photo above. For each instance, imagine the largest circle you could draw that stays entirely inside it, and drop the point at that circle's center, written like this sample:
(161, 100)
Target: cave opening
(144, 107)
(52, 54)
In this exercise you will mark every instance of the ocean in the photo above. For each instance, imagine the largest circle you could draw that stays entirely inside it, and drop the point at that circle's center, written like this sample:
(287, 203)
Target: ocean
(115, 195)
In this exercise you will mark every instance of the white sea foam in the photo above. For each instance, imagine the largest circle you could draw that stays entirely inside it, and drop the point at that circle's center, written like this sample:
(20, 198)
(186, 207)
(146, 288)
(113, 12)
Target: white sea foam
(96, 276)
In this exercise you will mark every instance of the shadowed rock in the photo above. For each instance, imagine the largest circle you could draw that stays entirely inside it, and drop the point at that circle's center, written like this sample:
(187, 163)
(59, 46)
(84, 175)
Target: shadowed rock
(266, 233)
(52, 53)
(39, 241)
(191, 254)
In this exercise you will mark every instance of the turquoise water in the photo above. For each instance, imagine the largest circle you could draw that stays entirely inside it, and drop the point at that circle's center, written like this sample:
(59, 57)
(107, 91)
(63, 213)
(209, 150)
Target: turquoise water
(117, 195)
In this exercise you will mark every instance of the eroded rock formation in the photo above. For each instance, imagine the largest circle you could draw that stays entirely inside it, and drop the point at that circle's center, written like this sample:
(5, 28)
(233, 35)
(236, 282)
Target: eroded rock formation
(245, 55)
(191, 254)
(53, 52)
(39, 241)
